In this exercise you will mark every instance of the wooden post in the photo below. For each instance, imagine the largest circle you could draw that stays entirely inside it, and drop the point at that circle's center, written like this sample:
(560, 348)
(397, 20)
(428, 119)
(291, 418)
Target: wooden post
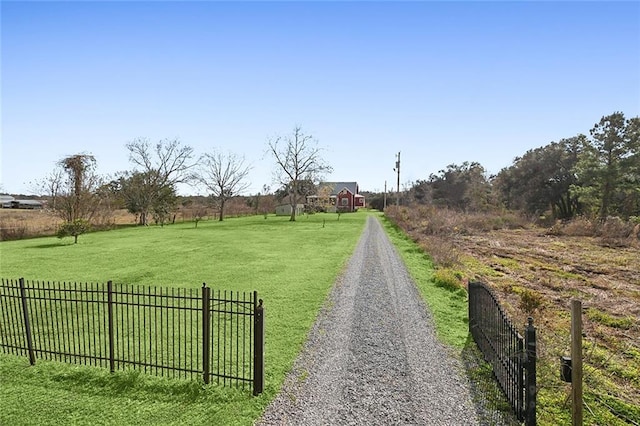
(576, 362)
(397, 169)
(384, 198)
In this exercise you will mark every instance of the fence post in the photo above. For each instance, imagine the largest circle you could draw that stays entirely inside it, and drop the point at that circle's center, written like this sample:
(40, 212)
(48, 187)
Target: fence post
(206, 318)
(258, 345)
(530, 382)
(576, 362)
(112, 363)
(471, 300)
(27, 326)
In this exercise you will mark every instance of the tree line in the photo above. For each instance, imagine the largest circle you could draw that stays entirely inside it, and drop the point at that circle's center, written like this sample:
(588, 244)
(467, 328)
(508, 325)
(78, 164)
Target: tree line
(77, 194)
(595, 176)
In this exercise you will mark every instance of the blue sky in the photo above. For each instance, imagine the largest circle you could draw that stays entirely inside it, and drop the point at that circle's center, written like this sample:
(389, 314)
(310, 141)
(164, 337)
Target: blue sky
(442, 82)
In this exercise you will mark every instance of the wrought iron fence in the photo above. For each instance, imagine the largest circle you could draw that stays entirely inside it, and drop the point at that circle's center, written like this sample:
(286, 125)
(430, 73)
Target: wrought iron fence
(177, 332)
(512, 356)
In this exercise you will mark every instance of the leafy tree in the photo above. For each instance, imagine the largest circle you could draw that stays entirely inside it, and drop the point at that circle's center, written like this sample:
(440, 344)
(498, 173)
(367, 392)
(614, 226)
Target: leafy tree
(608, 168)
(463, 187)
(224, 176)
(164, 205)
(73, 229)
(542, 179)
(136, 193)
(420, 192)
(631, 169)
(298, 159)
(608, 150)
(375, 200)
(162, 166)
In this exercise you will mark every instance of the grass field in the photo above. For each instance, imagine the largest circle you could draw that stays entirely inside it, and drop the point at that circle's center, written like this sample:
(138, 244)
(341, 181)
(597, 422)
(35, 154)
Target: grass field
(291, 265)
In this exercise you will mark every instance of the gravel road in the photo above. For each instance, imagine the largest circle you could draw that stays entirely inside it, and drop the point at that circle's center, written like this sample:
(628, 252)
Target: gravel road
(372, 357)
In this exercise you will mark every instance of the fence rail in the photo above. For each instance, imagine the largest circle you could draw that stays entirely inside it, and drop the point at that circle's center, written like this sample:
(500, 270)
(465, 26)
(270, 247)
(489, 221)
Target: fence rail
(176, 332)
(512, 356)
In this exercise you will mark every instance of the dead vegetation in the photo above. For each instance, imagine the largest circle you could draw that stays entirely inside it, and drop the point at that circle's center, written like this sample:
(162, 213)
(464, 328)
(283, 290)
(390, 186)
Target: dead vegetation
(16, 224)
(537, 272)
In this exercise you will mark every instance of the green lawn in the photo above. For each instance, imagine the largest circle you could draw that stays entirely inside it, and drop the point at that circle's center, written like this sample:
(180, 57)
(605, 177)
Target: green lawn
(291, 265)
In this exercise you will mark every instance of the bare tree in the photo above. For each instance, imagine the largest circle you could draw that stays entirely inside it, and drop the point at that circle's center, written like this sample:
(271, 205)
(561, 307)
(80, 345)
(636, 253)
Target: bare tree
(224, 175)
(298, 159)
(163, 166)
(49, 186)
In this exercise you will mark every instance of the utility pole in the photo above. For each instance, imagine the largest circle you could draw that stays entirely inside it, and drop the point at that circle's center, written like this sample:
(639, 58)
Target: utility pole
(397, 169)
(384, 203)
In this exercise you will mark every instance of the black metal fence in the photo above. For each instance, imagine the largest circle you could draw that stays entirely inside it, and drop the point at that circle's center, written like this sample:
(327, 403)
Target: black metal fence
(512, 356)
(176, 332)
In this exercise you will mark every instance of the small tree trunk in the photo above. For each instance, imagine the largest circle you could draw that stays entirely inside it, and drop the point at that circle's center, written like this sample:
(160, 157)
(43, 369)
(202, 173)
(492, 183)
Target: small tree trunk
(293, 202)
(75, 239)
(221, 210)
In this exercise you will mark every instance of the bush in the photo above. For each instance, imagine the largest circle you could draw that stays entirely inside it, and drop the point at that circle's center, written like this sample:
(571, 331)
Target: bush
(442, 251)
(579, 227)
(448, 279)
(615, 232)
(73, 229)
(530, 301)
(12, 232)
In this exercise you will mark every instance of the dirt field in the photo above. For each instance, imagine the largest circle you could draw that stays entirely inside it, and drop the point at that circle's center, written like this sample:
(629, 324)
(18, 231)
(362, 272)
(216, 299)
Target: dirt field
(539, 274)
(19, 223)
(559, 268)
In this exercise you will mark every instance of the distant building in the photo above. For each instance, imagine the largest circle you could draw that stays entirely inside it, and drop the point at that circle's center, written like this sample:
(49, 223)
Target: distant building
(26, 204)
(285, 210)
(9, 202)
(334, 196)
(5, 201)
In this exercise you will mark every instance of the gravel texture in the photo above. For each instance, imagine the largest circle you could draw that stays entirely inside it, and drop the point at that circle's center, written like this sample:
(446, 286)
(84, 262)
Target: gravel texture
(372, 357)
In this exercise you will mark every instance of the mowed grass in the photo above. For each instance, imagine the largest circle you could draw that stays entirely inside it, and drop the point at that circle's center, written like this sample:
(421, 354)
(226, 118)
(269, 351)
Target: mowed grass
(292, 265)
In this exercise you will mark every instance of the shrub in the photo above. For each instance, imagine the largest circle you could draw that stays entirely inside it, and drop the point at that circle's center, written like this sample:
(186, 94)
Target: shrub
(73, 229)
(442, 251)
(615, 232)
(448, 279)
(12, 232)
(579, 227)
(530, 301)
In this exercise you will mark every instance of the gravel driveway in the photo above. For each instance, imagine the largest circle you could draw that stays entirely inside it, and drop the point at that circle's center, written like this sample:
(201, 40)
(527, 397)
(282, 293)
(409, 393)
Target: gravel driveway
(372, 357)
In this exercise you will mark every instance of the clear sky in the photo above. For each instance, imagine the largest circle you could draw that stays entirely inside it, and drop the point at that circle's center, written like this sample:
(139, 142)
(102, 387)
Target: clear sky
(442, 82)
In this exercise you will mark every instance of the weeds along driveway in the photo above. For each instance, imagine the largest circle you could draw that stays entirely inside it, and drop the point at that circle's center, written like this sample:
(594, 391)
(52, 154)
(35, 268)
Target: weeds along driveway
(372, 356)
